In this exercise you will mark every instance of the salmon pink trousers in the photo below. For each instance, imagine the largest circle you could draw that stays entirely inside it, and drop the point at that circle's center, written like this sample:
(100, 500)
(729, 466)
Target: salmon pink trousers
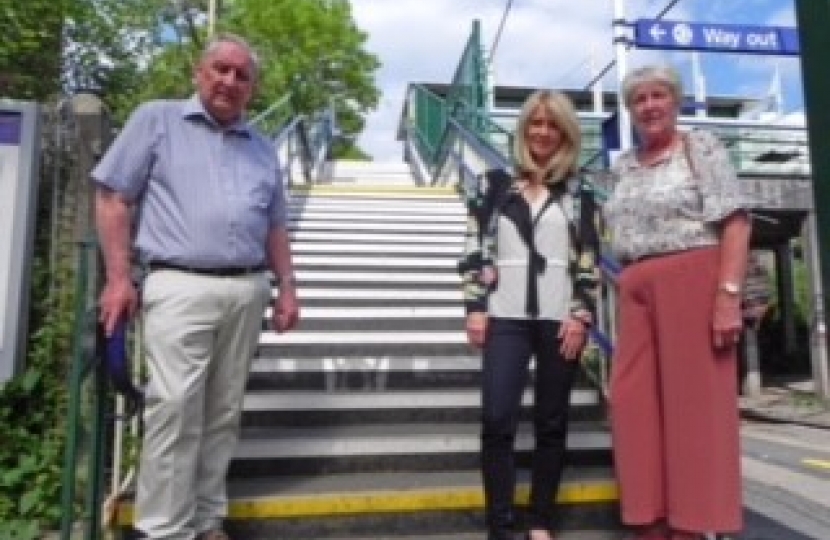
(674, 410)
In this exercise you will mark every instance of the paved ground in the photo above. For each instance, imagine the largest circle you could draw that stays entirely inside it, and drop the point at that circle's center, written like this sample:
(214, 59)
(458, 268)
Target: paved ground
(791, 402)
(786, 463)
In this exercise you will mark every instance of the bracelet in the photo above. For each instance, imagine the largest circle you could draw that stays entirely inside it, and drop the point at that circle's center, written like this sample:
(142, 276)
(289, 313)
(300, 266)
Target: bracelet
(585, 319)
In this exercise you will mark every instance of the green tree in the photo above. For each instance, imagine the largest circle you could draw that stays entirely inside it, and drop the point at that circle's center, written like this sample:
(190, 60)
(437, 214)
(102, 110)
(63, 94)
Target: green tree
(311, 49)
(30, 51)
(314, 49)
(107, 44)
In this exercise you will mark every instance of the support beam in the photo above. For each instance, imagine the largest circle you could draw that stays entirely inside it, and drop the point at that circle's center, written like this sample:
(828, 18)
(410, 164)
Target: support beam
(813, 18)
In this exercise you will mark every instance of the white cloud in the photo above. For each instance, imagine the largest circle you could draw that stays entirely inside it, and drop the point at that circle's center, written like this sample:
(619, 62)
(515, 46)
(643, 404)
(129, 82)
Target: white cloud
(544, 43)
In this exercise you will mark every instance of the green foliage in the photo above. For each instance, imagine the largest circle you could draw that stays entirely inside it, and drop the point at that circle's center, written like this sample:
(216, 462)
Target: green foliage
(130, 51)
(310, 49)
(33, 423)
(351, 152)
(33, 405)
(30, 48)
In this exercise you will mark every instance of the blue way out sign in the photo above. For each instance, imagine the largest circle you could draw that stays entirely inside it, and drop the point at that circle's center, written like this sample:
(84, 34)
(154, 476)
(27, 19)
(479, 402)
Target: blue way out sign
(659, 34)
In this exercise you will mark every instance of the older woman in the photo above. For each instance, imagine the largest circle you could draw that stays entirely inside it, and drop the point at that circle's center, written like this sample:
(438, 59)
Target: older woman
(677, 221)
(529, 276)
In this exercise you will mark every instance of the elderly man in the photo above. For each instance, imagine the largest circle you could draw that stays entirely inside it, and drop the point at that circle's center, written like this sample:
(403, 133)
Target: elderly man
(200, 192)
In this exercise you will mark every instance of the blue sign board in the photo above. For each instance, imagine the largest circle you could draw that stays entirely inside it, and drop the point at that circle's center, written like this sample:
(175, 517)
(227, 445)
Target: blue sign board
(659, 34)
(10, 127)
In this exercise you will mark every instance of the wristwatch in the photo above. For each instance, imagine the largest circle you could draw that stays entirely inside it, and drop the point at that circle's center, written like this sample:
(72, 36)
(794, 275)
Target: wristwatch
(730, 287)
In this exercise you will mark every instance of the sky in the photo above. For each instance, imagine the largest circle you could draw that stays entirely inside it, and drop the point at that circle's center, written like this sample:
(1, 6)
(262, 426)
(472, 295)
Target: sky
(551, 43)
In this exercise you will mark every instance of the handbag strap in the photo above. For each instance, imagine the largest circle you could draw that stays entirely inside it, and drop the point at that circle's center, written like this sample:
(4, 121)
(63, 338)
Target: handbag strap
(688, 153)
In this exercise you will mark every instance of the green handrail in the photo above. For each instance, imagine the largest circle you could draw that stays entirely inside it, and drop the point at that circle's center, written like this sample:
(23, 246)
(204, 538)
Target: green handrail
(94, 397)
(274, 116)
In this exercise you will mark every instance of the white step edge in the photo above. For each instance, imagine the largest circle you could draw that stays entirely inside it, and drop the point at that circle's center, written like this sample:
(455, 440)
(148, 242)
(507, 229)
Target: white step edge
(377, 294)
(369, 226)
(456, 398)
(340, 261)
(413, 364)
(432, 278)
(448, 204)
(454, 249)
(402, 238)
(380, 312)
(393, 337)
(341, 442)
(402, 216)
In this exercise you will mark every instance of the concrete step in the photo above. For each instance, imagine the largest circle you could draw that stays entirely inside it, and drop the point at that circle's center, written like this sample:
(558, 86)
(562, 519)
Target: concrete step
(350, 237)
(377, 324)
(334, 349)
(445, 399)
(396, 193)
(267, 407)
(391, 362)
(414, 313)
(421, 439)
(375, 206)
(581, 534)
(400, 228)
(387, 216)
(398, 505)
(366, 373)
(381, 296)
(386, 278)
(391, 339)
(441, 259)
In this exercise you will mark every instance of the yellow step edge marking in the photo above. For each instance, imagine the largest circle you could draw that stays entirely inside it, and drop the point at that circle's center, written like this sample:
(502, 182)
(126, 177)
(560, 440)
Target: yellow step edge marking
(817, 463)
(387, 502)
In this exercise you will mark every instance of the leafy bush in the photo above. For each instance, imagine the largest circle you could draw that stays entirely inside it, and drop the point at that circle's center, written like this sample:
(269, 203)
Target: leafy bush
(33, 423)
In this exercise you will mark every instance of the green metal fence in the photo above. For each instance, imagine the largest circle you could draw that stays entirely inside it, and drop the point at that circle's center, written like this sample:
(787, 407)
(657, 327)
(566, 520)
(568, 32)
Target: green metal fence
(466, 102)
(89, 400)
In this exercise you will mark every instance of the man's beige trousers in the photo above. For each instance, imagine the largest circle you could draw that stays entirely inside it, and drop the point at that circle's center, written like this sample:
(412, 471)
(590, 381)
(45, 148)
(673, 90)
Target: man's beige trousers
(200, 334)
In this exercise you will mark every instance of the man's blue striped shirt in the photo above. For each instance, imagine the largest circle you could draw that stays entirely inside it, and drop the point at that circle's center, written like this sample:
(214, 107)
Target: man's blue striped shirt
(205, 196)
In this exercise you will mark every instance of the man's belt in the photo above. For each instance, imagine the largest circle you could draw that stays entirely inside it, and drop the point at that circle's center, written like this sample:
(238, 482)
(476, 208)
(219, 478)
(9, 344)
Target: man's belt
(229, 271)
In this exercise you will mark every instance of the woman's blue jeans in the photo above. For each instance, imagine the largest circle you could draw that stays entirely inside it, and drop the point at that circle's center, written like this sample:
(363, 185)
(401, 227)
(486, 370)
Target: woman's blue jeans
(509, 346)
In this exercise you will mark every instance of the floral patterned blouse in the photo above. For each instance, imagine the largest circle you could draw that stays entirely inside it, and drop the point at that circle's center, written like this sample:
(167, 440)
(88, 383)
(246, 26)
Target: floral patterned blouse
(573, 198)
(666, 207)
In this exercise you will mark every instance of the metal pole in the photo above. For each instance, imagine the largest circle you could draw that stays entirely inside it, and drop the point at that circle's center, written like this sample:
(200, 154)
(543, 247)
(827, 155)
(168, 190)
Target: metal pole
(818, 328)
(813, 18)
(597, 86)
(211, 17)
(699, 85)
(621, 55)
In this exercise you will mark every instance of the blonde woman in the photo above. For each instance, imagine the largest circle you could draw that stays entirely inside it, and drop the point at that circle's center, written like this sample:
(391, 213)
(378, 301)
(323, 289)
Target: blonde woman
(529, 279)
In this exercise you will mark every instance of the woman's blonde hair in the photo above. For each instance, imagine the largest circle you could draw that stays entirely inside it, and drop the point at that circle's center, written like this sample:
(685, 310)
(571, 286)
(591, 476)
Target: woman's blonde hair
(564, 161)
(652, 74)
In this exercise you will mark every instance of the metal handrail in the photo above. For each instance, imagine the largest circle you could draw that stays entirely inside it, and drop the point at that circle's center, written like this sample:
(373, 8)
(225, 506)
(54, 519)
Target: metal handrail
(85, 365)
(274, 115)
(305, 142)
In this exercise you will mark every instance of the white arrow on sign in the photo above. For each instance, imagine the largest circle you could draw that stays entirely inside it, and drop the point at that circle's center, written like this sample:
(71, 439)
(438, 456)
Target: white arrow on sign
(657, 32)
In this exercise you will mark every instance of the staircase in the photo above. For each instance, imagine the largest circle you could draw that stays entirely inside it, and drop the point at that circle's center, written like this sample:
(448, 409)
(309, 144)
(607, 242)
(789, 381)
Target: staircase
(363, 422)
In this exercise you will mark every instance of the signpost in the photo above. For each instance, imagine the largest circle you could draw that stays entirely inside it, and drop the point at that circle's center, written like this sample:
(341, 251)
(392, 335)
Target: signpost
(19, 158)
(770, 40)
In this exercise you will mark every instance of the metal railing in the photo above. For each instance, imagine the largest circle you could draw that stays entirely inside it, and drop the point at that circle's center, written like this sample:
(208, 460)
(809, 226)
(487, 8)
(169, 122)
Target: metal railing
(755, 147)
(89, 401)
(302, 142)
